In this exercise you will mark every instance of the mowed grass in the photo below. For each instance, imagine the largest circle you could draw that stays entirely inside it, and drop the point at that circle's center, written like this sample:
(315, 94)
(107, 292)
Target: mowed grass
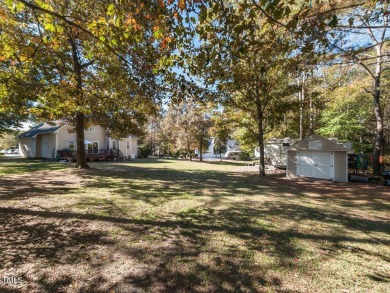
(15, 165)
(181, 226)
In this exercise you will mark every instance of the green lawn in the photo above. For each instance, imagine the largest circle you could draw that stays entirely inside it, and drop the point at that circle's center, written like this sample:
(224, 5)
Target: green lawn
(12, 165)
(180, 226)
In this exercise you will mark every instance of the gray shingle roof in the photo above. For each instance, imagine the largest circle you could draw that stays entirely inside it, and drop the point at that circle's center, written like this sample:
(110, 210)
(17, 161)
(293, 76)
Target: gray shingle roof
(327, 145)
(41, 128)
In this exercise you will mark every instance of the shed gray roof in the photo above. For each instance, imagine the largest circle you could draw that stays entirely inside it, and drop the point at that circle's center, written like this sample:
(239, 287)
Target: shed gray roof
(41, 128)
(327, 145)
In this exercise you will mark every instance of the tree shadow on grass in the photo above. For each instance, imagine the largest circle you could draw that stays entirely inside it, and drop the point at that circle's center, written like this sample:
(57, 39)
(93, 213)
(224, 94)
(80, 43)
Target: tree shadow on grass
(28, 239)
(49, 244)
(159, 185)
(186, 274)
(366, 196)
(183, 256)
(233, 269)
(220, 185)
(142, 161)
(14, 166)
(30, 246)
(14, 190)
(156, 186)
(225, 163)
(200, 249)
(298, 213)
(37, 185)
(9, 289)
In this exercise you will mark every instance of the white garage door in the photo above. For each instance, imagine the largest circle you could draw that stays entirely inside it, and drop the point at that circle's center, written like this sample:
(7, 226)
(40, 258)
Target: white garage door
(317, 165)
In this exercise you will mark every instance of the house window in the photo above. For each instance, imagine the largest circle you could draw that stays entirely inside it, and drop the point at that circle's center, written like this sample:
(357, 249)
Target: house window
(71, 145)
(90, 129)
(114, 144)
(128, 145)
(93, 147)
(315, 145)
(108, 144)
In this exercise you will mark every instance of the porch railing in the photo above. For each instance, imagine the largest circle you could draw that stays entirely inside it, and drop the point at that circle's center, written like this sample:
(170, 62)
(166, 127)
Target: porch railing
(106, 154)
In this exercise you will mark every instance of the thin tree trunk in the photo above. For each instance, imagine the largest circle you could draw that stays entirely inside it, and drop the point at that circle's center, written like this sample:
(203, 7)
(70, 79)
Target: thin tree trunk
(378, 142)
(260, 139)
(311, 124)
(189, 152)
(301, 96)
(201, 149)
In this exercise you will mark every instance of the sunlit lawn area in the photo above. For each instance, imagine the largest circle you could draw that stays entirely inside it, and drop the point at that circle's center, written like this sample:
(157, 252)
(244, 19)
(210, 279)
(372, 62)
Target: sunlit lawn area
(15, 165)
(180, 226)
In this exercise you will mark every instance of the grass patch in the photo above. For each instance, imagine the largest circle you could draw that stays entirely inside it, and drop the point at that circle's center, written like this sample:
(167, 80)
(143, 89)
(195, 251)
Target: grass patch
(12, 166)
(165, 225)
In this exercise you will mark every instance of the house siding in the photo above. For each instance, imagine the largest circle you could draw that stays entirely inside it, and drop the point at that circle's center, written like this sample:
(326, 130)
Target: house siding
(98, 135)
(27, 147)
(66, 134)
(340, 167)
(291, 168)
(38, 146)
(326, 145)
(48, 145)
(130, 152)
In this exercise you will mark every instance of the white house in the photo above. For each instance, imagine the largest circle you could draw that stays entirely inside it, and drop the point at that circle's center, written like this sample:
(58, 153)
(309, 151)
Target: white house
(44, 140)
(232, 145)
(209, 153)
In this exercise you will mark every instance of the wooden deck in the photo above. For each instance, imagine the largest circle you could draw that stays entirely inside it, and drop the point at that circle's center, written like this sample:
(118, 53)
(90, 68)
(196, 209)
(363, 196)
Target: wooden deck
(101, 155)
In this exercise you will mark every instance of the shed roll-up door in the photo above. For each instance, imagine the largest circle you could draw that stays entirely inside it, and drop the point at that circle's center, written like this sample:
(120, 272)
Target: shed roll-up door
(317, 165)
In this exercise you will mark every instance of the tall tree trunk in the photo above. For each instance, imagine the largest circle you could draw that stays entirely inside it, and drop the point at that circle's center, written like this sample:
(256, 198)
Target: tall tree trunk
(201, 149)
(300, 116)
(260, 135)
(378, 142)
(311, 124)
(260, 140)
(301, 96)
(189, 151)
(81, 161)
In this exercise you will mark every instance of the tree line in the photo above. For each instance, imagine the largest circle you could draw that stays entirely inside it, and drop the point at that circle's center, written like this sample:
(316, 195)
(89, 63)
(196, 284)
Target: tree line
(263, 68)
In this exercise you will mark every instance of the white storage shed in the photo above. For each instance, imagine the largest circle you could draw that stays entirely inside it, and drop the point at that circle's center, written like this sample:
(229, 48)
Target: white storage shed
(317, 157)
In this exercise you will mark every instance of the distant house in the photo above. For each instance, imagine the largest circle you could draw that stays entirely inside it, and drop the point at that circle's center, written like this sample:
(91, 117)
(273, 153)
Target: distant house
(44, 140)
(209, 153)
(231, 146)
